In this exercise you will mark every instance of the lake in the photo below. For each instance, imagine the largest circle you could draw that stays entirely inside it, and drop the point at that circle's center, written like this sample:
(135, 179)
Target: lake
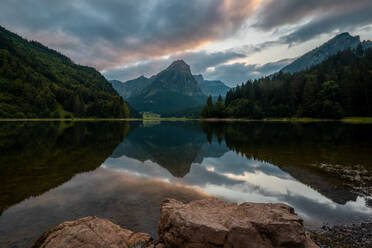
(51, 172)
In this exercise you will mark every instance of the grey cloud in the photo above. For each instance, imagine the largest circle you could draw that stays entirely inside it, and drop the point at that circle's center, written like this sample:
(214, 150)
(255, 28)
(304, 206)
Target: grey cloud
(319, 17)
(341, 22)
(237, 73)
(198, 61)
(274, 13)
(107, 33)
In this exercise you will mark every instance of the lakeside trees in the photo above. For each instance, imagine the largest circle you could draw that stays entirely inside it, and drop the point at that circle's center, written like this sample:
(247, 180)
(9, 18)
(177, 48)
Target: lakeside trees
(340, 86)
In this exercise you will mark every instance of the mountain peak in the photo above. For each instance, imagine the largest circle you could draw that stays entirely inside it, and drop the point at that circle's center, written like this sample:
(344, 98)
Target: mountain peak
(142, 77)
(345, 36)
(179, 65)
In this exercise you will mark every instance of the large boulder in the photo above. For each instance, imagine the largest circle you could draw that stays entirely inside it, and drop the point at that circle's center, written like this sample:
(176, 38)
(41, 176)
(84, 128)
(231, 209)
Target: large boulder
(91, 232)
(204, 223)
(214, 223)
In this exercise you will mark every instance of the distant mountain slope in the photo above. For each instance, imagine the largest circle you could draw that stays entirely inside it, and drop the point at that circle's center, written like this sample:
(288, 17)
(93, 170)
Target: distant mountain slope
(171, 90)
(337, 44)
(366, 44)
(36, 81)
(213, 88)
(131, 87)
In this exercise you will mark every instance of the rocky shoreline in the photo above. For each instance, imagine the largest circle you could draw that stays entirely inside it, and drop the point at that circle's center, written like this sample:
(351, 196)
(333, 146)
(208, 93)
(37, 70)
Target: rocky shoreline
(207, 223)
(356, 177)
(344, 236)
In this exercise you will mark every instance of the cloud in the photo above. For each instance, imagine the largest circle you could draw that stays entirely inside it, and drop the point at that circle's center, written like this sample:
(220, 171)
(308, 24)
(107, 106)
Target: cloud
(198, 61)
(308, 19)
(237, 73)
(274, 14)
(338, 22)
(213, 66)
(108, 33)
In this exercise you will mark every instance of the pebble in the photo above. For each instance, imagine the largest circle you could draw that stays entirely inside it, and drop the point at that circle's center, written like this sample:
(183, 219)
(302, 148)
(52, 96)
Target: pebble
(355, 235)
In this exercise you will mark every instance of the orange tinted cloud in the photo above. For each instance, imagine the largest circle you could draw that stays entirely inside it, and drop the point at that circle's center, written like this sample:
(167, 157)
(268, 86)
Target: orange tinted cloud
(109, 33)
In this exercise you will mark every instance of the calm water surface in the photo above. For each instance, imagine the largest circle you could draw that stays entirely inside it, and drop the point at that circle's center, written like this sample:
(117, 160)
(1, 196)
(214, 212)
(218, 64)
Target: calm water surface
(51, 172)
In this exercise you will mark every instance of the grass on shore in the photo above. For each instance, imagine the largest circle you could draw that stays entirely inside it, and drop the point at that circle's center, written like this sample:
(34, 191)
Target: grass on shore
(352, 120)
(69, 119)
(345, 120)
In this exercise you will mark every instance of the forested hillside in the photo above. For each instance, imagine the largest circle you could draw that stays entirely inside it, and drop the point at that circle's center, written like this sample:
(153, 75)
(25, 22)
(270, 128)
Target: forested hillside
(340, 86)
(37, 82)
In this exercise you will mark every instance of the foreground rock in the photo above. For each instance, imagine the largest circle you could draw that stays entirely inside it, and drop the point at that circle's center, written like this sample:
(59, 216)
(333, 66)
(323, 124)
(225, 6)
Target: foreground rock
(91, 232)
(213, 223)
(205, 223)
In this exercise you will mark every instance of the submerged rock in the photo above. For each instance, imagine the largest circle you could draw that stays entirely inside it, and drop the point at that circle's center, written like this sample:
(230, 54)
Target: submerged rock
(204, 223)
(214, 223)
(91, 232)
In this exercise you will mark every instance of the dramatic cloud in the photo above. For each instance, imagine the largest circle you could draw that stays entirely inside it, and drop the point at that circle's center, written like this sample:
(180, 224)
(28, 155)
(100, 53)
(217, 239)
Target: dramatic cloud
(128, 38)
(107, 33)
(213, 67)
(326, 24)
(198, 61)
(237, 73)
(308, 19)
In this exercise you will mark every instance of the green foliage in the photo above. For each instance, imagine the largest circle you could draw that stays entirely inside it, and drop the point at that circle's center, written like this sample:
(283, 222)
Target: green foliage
(37, 82)
(214, 110)
(340, 86)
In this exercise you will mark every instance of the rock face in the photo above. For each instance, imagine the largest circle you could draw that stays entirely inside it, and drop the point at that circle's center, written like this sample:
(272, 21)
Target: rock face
(91, 232)
(213, 223)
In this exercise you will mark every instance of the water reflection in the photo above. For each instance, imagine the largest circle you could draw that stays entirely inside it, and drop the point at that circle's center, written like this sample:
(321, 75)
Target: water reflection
(142, 163)
(259, 162)
(38, 156)
(120, 197)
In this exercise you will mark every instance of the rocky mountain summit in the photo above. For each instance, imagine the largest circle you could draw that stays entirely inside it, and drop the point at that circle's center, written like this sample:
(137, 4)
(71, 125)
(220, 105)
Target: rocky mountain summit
(203, 223)
(173, 89)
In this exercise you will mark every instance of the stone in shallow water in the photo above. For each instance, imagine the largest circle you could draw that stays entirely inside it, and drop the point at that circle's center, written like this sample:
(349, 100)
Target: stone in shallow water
(214, 223)
(91, 232)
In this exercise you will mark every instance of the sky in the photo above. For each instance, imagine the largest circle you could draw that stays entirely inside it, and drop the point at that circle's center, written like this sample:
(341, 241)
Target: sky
(228, 40)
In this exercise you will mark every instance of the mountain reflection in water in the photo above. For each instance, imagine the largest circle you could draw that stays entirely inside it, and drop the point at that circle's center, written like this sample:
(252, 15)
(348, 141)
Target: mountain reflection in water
(236, 161)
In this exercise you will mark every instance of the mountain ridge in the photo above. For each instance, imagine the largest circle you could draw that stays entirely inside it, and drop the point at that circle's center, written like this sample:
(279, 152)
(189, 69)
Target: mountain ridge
(314, 57)
(171, 90)
(213, 88)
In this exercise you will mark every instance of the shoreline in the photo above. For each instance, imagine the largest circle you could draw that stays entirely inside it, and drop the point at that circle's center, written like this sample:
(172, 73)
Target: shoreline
(345, 236)
(350, 120)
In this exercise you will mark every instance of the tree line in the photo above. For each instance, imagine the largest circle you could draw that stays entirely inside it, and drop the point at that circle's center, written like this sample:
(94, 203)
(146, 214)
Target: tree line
(340, 86)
